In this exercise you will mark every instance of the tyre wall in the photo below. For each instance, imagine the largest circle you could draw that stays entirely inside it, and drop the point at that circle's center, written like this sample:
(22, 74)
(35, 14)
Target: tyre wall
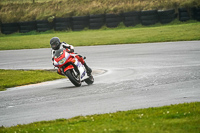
(166, 16)
(62, 24)
(183, 14)
(196, 13)
(44, 25)
(149, 17)
(96, 21)
(113, 20)
(133, 18)
(27, 26)
(79, 23)
(9, 28)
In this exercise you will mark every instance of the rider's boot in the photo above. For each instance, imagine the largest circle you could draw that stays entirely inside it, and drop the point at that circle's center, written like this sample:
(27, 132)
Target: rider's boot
(88, 69)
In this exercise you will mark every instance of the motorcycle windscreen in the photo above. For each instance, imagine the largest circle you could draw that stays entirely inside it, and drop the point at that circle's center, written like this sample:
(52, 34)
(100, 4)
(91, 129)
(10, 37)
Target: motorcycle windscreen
(58, 53)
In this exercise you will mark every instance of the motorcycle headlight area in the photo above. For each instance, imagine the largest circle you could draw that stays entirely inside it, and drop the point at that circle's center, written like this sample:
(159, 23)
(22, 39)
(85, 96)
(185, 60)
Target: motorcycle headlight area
(62, 61)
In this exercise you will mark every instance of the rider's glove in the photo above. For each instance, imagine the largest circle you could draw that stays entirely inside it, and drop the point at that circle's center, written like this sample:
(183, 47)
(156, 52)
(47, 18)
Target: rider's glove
(53, 61)
(71, 51)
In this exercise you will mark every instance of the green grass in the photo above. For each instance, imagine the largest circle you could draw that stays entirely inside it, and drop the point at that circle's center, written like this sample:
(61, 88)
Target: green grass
(180, 118)
(175, 31)
(12, 78)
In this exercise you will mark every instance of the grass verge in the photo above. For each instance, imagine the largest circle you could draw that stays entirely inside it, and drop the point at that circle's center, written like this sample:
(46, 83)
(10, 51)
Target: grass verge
(12, 78)
(14, 11)
(175, 31)
(180, 118)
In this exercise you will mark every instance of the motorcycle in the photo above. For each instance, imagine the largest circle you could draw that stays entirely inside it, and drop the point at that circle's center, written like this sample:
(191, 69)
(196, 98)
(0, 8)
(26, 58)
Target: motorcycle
(71, 67)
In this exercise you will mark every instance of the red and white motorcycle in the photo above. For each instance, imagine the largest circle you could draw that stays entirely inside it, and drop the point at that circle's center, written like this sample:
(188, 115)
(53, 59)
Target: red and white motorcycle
(71, 67)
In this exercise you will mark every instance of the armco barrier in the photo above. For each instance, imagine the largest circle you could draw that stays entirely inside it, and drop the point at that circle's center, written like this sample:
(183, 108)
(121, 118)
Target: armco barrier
(97, 21)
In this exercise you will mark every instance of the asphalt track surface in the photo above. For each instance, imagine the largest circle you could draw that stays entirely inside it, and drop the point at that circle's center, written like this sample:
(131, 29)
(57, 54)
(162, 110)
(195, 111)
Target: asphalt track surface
(128, 76)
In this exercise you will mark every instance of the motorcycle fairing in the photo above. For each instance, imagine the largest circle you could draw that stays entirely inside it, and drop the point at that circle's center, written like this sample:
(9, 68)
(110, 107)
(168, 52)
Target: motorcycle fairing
(68, 67)
(81, 68)
(63, 55)
(68, 61)
(55, 63)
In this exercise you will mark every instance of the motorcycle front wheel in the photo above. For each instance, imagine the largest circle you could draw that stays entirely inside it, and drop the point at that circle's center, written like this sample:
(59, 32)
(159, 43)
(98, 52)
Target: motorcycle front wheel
(73, 77)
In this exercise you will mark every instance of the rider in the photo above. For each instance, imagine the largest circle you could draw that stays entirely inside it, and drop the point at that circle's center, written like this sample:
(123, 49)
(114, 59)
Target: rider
(56, 44)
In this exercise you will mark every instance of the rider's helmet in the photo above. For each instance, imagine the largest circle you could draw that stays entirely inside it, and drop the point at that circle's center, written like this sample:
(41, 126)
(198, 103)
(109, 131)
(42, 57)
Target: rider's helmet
(55, 43)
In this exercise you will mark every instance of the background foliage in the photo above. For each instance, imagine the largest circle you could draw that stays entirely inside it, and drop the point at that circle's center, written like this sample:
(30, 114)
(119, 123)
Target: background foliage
(26, 10)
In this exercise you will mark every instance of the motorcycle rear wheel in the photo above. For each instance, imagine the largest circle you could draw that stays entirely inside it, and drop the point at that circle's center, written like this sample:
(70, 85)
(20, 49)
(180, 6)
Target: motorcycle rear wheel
(73, 77)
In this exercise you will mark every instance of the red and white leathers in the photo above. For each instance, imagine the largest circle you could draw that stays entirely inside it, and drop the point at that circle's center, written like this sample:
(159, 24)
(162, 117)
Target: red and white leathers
(70, 49)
